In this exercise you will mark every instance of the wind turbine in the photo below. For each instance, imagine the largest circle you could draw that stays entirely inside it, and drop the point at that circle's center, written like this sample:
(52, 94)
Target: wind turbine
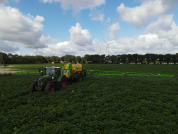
(37, 49)
(107, 47)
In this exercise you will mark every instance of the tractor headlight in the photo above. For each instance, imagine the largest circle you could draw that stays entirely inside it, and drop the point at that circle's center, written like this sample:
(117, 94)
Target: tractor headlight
(52, 77)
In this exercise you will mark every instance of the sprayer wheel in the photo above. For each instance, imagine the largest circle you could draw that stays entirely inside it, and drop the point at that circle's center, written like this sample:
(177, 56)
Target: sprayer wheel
(76, 78)
(84, 76)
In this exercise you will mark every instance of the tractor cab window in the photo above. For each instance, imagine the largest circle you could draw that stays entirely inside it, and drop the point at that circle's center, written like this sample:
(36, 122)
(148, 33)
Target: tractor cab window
(57, 71)
(50, 70)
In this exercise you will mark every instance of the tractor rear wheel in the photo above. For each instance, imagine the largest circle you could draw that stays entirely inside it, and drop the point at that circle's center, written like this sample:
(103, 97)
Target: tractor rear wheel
(32, 86)
(50, 88)
(63, 82)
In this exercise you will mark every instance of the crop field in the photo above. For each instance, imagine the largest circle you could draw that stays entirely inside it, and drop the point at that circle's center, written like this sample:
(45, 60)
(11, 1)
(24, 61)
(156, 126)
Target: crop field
(99, 104)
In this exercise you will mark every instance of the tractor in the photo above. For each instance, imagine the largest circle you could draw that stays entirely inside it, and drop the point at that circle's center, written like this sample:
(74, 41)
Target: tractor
(55, 78)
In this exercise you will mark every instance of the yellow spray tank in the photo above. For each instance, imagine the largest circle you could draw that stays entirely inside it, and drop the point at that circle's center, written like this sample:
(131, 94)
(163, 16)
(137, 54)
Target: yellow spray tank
(73, 70)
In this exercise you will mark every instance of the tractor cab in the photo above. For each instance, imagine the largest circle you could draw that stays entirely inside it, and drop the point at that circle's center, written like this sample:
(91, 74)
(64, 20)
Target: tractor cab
(51, 71)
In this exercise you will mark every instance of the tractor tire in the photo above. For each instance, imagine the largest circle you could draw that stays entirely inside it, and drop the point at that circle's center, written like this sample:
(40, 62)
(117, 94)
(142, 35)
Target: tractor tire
(80, 77)
(63, 82)
(84, 75)
(76, 78)
(32, 87)
(50, 88)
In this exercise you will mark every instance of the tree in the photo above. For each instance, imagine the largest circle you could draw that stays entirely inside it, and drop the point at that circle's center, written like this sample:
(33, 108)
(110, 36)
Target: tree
(141, 58)
(62, 58)
(168, 58)
(113, 58)
(78, 58)
(48, 59)
(83, 60)
(154, 58)
(130, 58)
(6, 58)
(73, 58)
(54, 58)
(135, 58)
(174, 58)
(68, 58)
(148, 57)
(118, 58)
(160, 57)
(123, 58)
(102, 57)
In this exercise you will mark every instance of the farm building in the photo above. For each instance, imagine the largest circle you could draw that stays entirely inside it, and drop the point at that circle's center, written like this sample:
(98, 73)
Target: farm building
(1, 59)
(54, 62)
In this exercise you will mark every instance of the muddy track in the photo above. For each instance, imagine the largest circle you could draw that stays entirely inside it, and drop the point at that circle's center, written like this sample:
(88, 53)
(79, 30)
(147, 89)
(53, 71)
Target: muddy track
(8, 70)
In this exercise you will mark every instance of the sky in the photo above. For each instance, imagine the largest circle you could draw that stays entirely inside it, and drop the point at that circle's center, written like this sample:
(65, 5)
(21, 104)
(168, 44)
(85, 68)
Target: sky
(79, 27)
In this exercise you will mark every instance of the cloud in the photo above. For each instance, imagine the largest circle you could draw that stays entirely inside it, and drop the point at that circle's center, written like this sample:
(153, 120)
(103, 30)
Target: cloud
(59, 49)
(21, 29)
(97, 16)
(108, 20)
(79, 36)
(165, 28)
(77, 5)
(8, 46)
(3, 1)
(113, 30)
(39, 18)
(6, 1)
(17, 1)
(54, 40)
(140, 15)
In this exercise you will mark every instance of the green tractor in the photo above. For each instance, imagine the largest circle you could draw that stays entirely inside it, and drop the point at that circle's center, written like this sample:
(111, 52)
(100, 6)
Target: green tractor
(55, 78)
(50, 80)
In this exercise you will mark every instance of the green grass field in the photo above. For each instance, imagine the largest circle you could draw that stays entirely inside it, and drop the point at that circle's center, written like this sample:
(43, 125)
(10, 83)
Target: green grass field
(99, 104)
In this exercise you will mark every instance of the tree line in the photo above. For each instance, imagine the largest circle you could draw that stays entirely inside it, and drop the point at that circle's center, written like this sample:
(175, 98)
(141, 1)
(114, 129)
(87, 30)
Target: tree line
(117, 59)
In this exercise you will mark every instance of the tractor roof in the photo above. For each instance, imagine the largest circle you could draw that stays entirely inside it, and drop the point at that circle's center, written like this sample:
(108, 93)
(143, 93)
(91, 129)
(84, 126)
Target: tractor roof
(53, 67)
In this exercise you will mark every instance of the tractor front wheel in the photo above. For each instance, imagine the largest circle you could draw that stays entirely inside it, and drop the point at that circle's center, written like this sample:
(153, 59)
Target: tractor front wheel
(50, 88)
(32, 86)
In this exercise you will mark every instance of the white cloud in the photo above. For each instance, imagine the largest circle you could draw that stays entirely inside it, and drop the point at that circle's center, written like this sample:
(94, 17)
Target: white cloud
(54, 40)
(108, 20)
(97, 16)
(6, 1)
(79, 36)
(140, 15)
(8, 46)
(59, 49)
(165, 28)
(113, 30)
(39, 18)
(3, 1)
(21, 29)
(17, 1)
(77, 5)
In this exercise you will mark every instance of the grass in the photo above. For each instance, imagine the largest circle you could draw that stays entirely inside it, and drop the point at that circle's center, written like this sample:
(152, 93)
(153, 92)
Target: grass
(100, 104)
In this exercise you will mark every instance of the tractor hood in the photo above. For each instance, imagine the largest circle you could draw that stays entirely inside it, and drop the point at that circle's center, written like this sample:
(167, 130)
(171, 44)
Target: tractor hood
(41, 79)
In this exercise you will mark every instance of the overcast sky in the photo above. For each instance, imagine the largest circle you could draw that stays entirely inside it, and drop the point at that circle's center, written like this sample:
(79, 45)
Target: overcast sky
(77, 27)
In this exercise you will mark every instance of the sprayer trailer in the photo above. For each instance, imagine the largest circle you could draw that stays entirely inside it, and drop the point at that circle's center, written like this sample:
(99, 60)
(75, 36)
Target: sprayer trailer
(55, 78)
